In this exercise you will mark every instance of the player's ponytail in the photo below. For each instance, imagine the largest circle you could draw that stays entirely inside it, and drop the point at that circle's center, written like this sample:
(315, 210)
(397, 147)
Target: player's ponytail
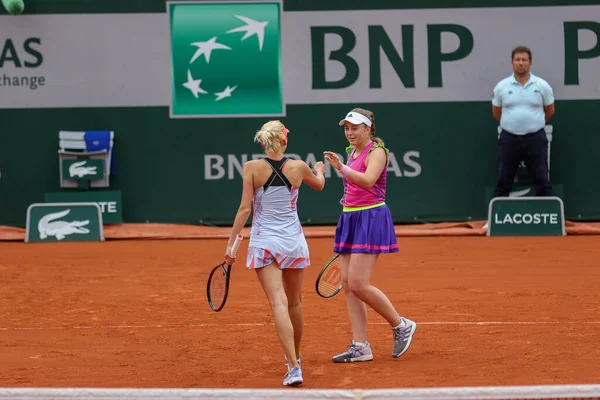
(270, 136)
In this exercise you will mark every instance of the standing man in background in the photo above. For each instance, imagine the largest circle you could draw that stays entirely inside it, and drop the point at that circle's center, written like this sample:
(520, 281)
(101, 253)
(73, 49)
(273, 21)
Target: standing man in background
(522, 103)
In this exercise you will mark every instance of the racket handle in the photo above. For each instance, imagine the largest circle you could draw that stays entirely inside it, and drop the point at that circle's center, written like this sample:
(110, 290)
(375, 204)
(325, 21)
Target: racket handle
(236, 244)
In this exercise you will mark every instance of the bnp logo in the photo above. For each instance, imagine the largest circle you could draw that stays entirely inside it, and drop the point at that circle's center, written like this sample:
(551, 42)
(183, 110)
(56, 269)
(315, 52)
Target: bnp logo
(225, 59)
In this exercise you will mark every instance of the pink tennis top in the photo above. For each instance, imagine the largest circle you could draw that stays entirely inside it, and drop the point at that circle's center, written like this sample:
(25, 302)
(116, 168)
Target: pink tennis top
(354, 195)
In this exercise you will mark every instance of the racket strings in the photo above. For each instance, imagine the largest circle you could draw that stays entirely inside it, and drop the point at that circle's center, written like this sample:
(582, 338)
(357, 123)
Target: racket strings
(330, 280)
(217, 288)
(327, 288)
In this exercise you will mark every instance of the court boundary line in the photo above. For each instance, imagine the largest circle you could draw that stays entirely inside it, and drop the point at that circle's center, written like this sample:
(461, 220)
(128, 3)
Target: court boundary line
(467, 392)
(217, 325)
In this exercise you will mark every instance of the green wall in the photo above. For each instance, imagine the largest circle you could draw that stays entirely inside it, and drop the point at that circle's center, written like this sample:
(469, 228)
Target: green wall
(160, 161)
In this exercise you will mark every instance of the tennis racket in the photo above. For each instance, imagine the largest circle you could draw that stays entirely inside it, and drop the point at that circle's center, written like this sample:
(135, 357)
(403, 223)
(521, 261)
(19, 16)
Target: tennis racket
(217, 287)
(329, 281)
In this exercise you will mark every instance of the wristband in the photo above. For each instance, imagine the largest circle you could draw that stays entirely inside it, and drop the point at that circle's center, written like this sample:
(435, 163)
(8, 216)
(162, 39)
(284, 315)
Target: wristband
(345, 170)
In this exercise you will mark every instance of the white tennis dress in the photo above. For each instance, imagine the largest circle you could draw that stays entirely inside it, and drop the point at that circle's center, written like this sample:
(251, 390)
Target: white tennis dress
(276, 234)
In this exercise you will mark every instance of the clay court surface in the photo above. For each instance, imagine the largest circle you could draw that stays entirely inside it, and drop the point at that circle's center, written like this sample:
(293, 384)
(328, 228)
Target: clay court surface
(490, 311)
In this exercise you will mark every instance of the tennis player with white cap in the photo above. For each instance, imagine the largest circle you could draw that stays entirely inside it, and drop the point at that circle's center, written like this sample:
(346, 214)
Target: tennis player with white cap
(365, 230)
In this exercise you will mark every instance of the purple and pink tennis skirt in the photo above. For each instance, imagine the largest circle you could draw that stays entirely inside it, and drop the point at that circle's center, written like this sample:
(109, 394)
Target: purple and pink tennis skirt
(368, 230)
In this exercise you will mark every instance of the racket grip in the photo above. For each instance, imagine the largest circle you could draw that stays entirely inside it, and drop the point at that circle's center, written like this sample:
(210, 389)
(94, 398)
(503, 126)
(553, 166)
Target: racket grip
(236, 244)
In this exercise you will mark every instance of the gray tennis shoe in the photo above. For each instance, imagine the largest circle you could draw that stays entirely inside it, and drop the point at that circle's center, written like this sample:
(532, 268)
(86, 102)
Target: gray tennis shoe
(293, 377)
(354, 353)
(403, 337)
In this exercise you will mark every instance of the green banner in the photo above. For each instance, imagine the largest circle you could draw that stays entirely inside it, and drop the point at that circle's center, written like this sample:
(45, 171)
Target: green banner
(109, 201)
(64, 222)
(526, 216)
(226, 59)
(433, 176)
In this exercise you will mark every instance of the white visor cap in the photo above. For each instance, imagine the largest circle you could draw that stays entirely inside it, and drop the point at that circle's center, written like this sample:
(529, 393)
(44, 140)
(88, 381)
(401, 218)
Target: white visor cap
(356, 118)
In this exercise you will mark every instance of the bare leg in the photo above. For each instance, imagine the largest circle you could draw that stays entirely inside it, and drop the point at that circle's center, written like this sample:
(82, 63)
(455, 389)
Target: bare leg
(292, 284)
(360, 268)
(357, 309)
(270, 278)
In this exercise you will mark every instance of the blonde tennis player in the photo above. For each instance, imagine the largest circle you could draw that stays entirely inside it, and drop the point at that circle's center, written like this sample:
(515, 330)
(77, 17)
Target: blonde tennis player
(365, 230)
(278, 251)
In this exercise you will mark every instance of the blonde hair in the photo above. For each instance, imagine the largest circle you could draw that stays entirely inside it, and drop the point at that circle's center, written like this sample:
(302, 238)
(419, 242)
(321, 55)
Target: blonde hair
(371, 116)
(270, 136)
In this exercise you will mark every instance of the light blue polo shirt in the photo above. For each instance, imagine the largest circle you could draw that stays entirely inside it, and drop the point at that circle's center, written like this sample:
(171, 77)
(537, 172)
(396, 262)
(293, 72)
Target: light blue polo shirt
(522, 106)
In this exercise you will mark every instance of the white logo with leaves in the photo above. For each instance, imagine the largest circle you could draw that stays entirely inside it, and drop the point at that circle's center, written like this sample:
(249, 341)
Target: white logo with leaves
(251, 28)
